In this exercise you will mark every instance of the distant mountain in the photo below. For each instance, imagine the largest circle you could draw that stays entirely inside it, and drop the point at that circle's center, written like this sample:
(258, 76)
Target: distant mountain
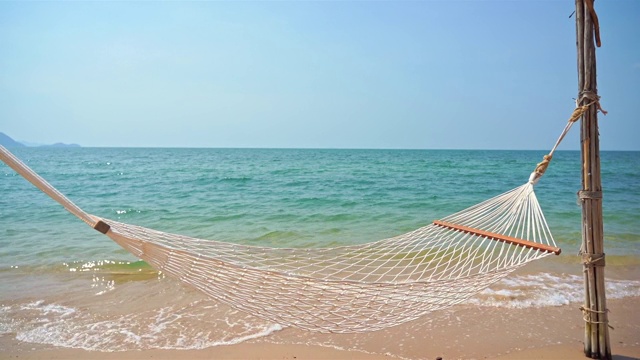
(58, 145)
(8, 142)
(29, 143)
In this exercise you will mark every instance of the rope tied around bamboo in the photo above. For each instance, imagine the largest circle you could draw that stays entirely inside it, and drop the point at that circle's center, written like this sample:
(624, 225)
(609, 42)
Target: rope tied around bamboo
(578, 112)
(591, 260)
(587, 313)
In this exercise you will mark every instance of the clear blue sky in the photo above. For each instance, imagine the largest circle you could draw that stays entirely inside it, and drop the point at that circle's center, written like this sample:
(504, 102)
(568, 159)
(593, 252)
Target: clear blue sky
(326, 74)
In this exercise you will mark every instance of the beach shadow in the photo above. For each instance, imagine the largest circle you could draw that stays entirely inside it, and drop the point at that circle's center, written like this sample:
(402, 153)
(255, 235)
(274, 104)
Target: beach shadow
(623, 357)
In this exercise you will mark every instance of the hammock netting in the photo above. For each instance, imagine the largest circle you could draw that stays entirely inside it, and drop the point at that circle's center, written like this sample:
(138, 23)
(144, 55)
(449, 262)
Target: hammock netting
(356, 288)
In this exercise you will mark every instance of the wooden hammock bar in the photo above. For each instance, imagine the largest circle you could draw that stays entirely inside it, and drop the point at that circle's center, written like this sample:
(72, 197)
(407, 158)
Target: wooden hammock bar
(499, 237)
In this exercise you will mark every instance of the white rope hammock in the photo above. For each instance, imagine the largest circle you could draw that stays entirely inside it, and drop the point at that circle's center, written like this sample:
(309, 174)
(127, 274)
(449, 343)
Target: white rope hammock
(350, 288)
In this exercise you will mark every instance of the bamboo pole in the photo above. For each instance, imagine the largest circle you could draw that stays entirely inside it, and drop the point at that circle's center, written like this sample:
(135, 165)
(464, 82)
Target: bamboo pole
(596, 337)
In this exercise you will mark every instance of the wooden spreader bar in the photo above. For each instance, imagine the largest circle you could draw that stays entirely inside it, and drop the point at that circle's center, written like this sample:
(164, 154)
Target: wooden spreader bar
(499, 237)
(102, 226)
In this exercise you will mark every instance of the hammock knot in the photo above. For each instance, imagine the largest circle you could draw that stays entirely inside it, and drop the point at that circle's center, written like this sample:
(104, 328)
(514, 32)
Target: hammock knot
(578, 112)
(544, 164)
(540, 169)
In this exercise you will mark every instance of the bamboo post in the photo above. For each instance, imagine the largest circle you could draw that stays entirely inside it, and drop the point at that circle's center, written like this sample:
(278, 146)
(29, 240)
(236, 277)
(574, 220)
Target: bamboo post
(596, 339)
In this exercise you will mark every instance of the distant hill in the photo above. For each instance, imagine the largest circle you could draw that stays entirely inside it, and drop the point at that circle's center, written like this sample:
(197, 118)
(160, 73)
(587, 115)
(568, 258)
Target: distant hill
(8, 142)
(57, 145)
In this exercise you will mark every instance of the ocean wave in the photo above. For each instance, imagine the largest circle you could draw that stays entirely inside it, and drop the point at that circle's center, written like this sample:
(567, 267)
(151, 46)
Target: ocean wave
(131, 317)
(276, 236)
(545, 289)
(171, 327)
(233, 179)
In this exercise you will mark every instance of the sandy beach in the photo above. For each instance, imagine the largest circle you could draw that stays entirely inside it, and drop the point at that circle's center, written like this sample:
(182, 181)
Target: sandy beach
(463, 332)
(162, 319)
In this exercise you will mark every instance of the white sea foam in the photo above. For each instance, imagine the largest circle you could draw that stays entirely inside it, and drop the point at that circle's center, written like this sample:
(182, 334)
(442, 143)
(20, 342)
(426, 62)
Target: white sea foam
(262, 333)
(544, 289)
(6, 325)
(51, 310)
(171, 327)
(196, 323)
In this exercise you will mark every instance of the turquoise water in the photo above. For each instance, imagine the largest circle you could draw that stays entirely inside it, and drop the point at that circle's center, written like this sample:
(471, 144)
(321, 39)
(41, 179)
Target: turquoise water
(63, 284)
(289, 197)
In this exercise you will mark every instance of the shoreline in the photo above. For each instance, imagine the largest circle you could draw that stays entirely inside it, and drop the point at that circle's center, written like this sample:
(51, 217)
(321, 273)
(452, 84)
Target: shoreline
(463, 333)
(299, 352)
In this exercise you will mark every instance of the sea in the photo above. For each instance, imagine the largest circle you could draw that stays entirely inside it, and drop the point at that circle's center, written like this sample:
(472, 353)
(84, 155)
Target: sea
(63, 284)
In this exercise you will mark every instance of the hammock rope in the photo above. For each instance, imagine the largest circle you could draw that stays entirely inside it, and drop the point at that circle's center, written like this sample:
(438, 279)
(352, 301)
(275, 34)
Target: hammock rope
(350, 288)
(355, 288)
(575, 116)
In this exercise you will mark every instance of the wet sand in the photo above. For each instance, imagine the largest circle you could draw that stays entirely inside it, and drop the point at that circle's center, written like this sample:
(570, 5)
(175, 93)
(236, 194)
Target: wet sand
(464, 332)
(145, 317)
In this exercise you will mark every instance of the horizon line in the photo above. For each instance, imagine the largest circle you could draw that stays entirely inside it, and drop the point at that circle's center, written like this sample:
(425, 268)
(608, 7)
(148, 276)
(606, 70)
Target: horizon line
(76, 146)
